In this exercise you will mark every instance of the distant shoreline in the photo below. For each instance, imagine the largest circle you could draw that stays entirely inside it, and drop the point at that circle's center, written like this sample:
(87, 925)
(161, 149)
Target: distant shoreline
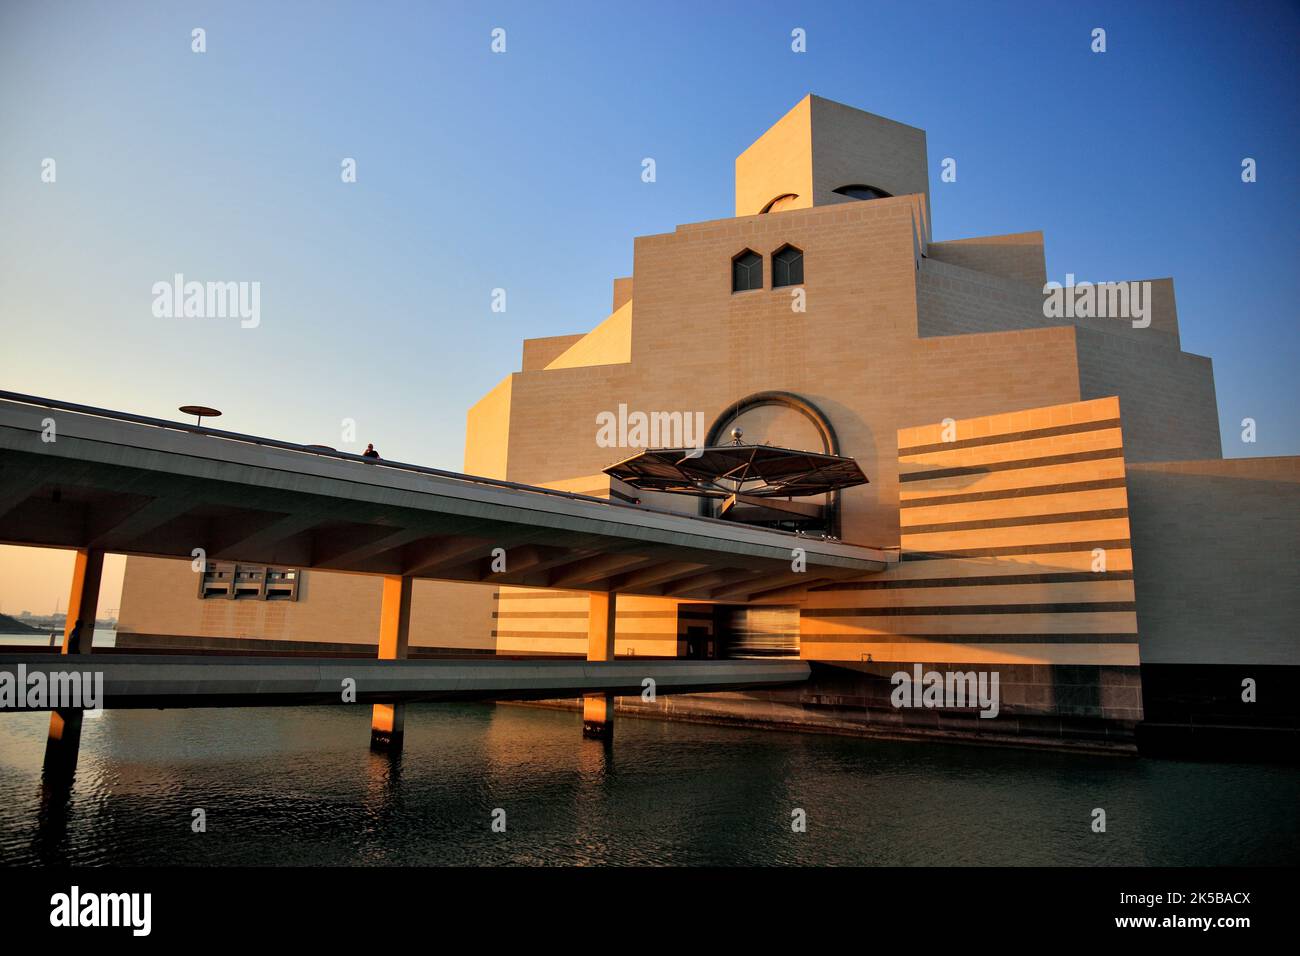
(9, 625)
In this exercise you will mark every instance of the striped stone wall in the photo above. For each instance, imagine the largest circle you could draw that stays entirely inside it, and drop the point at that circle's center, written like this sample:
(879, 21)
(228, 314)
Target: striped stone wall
(1015, 549)
(530, 621)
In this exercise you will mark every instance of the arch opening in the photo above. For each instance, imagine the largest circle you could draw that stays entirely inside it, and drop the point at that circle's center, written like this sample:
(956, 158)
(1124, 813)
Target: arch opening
(862, 191)
(827, 521)
(782, 201)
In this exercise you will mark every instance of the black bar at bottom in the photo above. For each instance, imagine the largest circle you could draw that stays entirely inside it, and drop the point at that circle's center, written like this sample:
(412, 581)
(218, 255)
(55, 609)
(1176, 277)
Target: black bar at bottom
(971, 908)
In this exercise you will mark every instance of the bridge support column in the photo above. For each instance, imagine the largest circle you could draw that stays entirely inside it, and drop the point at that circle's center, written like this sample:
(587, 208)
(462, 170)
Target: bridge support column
(63, 744)
(387, 720)
(598, 709)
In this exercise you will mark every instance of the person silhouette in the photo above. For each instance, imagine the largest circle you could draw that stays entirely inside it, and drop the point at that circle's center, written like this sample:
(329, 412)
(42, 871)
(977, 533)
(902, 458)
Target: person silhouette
(370, 452)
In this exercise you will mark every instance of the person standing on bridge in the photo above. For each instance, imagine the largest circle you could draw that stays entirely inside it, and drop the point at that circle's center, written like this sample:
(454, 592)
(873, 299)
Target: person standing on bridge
(74, 639)
(370, 452)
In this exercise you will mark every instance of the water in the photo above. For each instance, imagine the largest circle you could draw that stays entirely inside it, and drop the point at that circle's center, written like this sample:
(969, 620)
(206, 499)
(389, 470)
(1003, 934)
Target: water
(300, 786)
(103, 637)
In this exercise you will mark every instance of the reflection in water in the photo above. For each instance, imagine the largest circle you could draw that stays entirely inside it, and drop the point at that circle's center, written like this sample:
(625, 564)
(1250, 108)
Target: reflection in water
(300, 786)
(381, 802)
(54, 802)
(596, 759)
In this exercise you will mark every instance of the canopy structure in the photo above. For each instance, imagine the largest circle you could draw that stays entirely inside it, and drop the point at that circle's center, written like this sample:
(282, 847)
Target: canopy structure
(756, 471)
(746, 477)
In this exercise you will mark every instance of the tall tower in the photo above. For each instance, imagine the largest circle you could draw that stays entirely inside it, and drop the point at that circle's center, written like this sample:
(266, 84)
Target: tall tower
(822, 152)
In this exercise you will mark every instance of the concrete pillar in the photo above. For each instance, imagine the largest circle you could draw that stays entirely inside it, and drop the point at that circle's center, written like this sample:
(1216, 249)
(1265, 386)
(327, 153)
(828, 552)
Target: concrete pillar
(386, 720)
(64, 741)
(598, 709)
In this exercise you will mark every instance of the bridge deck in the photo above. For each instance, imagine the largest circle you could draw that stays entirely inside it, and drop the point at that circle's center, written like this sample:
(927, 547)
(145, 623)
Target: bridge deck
(146, 680)
(135, 485)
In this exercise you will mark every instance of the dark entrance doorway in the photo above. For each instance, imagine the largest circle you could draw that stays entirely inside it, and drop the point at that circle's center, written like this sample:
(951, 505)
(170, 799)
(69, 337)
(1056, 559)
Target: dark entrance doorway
(700, 644)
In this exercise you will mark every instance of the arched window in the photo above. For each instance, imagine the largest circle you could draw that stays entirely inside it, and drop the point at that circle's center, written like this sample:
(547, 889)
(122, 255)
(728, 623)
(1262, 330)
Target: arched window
(746, 271)
(780, 202)
(787, 266)
(859, 191)
(825, 431)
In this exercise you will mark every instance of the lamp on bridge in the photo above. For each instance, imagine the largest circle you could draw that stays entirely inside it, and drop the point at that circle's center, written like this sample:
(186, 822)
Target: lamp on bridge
(201, 411)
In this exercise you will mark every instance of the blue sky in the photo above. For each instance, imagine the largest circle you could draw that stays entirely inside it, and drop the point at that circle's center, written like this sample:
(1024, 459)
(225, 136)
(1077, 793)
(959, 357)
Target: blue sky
(522, 171)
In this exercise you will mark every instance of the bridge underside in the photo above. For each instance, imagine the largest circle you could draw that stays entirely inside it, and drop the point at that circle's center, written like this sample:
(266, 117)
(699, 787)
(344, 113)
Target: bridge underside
(157, 681)
(150, 488)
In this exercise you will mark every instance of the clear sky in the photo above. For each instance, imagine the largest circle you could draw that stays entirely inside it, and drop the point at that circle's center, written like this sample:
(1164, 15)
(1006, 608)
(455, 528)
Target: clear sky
(522, 170)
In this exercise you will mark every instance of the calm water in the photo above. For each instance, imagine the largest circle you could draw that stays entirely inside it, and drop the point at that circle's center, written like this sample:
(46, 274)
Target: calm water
(299, 786)
(104, 637)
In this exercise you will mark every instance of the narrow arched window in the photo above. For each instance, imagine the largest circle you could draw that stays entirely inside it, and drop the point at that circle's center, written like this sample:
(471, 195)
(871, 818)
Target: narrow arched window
(859, 191)
(746, 271)
(787, 266)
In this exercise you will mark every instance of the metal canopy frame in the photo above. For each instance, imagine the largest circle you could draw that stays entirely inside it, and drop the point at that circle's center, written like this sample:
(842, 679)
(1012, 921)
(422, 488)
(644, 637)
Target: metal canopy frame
(724, 471)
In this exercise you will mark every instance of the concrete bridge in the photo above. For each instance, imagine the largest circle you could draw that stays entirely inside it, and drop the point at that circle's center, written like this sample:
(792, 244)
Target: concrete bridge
(108, 481)
(97, 481)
